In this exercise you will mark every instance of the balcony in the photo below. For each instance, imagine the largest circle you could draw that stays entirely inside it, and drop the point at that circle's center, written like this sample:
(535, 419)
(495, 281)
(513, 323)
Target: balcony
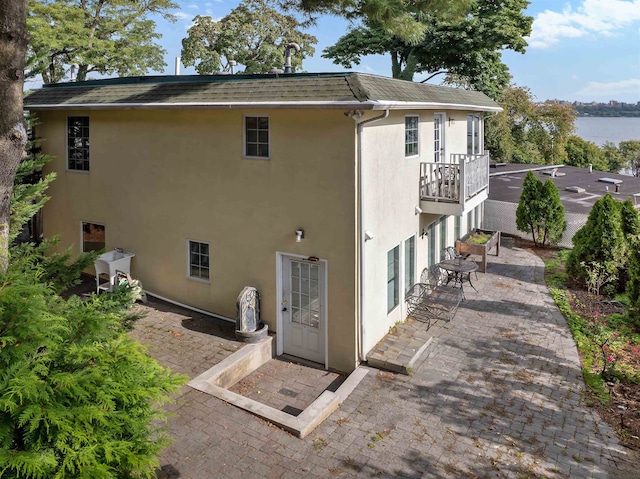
(456, 187)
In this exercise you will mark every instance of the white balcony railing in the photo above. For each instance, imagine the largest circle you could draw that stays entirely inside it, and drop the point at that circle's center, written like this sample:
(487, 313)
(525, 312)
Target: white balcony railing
(457, 181)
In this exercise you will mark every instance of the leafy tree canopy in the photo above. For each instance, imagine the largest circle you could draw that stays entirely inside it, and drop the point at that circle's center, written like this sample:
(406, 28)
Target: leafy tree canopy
(396, 17)
(529, 132)
(582, 153)
(613, 157)
(101, 36)
(254, 34)
(630, 150)
(464, 38)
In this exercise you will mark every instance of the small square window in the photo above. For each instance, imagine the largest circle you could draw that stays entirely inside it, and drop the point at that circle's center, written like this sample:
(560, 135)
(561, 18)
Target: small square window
(78, 143)
(198, 260)
(256, 137)
(93, 237)
(411, 135)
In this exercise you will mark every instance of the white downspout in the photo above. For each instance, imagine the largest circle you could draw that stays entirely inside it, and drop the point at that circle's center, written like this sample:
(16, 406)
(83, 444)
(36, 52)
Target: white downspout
(361, 230)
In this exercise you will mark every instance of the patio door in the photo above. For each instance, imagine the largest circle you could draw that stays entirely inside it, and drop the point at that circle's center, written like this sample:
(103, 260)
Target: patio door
(303, 311)
(438, 137)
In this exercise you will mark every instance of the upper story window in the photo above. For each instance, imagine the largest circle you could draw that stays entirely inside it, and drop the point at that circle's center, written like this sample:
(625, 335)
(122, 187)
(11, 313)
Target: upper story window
(473, 135)
(411, 135)
(78, 143)
(256, 137)
(198, 260)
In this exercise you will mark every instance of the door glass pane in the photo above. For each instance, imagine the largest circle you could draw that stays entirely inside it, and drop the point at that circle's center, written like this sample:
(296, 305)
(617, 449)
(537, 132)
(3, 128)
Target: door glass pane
(305, 317)
(305, 294)
(295, 315)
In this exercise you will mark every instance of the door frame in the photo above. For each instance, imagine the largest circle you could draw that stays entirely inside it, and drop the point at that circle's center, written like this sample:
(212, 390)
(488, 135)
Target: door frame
(281, 257)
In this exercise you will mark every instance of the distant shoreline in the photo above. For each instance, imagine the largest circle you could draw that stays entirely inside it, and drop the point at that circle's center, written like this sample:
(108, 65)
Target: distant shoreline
(601, 110)
(636, 115)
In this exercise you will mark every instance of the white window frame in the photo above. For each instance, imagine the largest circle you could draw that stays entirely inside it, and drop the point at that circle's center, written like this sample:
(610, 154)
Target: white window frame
(417, 140)
(432, 258)
(244, 137)
(474, 128)
(198, 278)
(82, 223)
(406, 264)
(396, 280)
(443, 233)
(88, 159)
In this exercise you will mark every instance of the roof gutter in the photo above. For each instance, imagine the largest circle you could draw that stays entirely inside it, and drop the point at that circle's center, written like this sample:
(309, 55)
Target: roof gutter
(361, 233)
(361, 105)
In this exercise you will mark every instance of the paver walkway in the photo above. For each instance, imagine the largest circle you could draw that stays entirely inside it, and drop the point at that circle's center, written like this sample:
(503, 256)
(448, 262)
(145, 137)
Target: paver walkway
(497, 394)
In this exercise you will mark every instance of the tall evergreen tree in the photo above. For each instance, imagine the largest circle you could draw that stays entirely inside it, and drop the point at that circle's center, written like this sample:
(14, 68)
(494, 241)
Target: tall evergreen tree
(540, 211)
(601, 244)
(78, 397)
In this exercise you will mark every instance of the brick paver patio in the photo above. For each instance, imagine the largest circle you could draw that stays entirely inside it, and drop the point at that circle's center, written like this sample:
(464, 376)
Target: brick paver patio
(497, 394)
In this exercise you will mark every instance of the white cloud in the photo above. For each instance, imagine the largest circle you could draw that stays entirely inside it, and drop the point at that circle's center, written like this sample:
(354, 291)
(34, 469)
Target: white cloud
(590, 17)
(194, 6)
(611, 89)
(183, 16)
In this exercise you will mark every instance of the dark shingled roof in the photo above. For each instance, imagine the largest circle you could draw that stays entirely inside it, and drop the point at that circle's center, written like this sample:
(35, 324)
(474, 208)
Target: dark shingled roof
(321, 90)
(505, 184)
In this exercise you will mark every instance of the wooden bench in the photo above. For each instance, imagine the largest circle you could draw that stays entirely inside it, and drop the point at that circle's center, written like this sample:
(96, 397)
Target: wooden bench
(433, 302)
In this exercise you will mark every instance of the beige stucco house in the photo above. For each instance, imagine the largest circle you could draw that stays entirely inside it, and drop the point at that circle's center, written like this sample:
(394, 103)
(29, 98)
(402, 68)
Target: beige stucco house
(327, 192)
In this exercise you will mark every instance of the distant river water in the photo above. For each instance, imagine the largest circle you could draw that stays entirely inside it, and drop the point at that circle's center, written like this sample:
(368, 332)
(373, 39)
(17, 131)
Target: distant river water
(602, 129)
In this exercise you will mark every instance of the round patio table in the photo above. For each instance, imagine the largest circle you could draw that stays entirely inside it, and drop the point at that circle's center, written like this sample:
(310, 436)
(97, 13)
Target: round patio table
(460, 268)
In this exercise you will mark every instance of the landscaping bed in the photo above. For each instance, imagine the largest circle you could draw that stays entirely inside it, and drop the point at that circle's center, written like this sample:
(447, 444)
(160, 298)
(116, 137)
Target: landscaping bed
(609, 348)
(479, 242)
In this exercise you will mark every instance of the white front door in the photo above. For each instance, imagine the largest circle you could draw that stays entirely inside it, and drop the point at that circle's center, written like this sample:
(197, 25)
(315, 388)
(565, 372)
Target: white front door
(303, 309)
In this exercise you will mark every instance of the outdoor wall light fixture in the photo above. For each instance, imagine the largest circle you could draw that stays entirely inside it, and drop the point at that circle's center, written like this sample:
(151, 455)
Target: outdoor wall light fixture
(423, 233)
(452, 121)
(418, 210)
(368, 235)
(299, 235)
